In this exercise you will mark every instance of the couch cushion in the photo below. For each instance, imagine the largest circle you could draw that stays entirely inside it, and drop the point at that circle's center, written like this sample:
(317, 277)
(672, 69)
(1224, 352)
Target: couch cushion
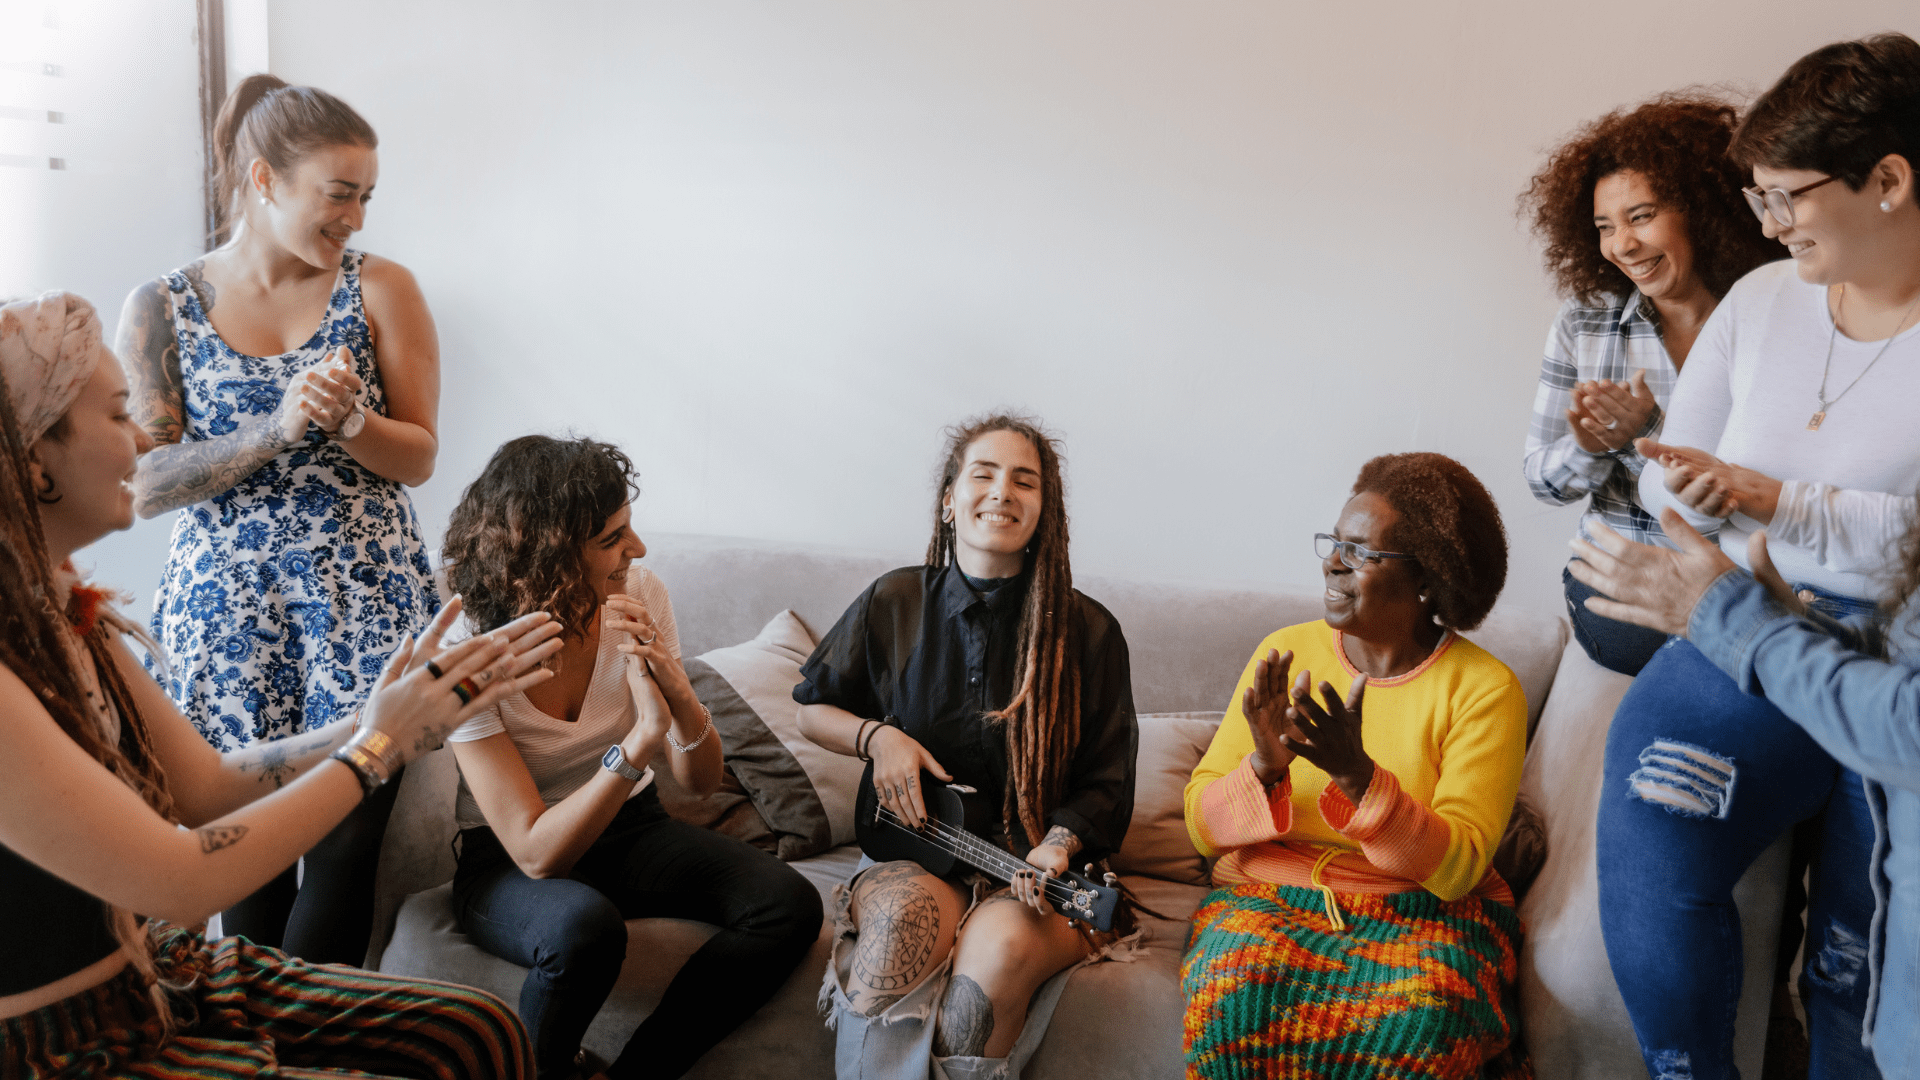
(1158, 844)
(781, 792)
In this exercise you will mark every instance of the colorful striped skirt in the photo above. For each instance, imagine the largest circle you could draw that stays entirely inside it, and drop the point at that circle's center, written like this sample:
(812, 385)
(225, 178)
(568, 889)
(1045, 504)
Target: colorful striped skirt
(256, 1012)
(1415, 986)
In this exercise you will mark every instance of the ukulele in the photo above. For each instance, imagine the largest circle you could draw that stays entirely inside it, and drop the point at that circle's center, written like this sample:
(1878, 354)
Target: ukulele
(957, 818)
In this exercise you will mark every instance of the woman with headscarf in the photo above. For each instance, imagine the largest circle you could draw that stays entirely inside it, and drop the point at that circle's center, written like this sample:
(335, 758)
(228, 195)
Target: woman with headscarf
(114, 805)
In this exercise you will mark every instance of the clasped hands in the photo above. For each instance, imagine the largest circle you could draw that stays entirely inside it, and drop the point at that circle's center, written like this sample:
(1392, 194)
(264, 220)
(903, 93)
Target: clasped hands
(323, 394)
(1711, 486)
(1606, 415)
(1287, 723)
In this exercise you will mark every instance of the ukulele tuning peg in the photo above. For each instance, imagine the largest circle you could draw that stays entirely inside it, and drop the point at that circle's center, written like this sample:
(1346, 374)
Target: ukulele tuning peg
(1110, 879)
(1089, 870)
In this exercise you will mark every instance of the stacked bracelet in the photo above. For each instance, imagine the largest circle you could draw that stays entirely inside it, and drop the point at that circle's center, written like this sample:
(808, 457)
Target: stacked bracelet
(859, 749)
(704, 732)
(372, 756)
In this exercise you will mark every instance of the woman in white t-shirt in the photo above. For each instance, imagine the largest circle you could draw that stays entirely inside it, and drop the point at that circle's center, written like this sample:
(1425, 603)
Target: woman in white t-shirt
(563, 837)
(1794, 415)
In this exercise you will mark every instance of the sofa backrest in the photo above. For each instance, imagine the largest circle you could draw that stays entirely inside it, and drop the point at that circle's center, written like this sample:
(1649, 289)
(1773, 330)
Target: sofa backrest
(1188, 645)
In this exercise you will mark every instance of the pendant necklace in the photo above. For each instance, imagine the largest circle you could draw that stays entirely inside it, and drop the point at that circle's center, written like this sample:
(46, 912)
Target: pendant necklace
(1820, 413)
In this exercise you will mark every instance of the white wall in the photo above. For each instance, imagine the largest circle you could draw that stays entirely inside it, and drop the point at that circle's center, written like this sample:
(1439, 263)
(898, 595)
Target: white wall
(127, 206)
(1230, 250)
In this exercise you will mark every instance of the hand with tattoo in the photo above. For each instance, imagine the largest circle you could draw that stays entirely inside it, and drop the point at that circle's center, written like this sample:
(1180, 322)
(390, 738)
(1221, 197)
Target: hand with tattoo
(415, 702)
(1052, 857)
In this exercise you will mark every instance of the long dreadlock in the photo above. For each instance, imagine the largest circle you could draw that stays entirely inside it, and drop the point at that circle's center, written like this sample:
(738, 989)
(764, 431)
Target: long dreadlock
(1042, 721)
(37, 643)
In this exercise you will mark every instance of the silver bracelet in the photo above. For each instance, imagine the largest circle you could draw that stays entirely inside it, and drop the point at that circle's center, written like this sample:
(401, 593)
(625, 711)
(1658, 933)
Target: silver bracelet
(704, 732)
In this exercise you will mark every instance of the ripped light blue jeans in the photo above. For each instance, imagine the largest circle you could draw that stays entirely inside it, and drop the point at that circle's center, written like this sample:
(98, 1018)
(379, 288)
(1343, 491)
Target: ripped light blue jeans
(1700, 779)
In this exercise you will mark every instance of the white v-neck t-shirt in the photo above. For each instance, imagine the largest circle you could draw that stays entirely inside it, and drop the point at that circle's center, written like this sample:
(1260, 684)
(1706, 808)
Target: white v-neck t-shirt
(562, 755)
(1746, 394)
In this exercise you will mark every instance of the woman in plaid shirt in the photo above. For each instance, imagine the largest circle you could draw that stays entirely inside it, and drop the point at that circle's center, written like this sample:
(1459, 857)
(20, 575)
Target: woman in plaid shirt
(1645, 231)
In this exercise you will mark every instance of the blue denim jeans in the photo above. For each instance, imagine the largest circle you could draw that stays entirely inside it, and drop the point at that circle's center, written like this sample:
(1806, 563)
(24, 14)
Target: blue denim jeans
(1700, 779)
(572, 933)
(1616, 646)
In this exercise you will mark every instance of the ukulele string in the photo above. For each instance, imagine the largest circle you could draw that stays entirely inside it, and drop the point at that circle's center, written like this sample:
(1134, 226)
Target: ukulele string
(982, 852)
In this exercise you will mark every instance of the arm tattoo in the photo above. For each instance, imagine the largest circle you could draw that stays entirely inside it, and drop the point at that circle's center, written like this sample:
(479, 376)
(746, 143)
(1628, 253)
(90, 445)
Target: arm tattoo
(966, 1020)
(273, 763)
(282, 761)
(215, 837)
(176, 473)
(1061, 837)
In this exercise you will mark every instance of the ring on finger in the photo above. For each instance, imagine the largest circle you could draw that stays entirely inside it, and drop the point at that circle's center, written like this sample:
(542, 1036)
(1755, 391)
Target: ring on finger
(646, 641)
(466, 690)
(434, 670)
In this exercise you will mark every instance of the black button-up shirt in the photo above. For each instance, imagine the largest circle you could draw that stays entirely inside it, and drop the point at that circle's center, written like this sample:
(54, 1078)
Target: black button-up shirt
(923, 646)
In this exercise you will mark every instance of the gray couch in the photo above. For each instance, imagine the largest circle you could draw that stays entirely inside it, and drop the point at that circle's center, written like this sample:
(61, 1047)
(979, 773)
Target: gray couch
(1188, 645)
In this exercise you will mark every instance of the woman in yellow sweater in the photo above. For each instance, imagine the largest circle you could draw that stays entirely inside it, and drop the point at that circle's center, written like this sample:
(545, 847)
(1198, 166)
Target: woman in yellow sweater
(1357, 927)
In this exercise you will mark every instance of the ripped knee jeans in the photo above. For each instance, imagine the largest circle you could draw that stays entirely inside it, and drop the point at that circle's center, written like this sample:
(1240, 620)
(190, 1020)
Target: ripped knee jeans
(1700, 779)
(898, 1042)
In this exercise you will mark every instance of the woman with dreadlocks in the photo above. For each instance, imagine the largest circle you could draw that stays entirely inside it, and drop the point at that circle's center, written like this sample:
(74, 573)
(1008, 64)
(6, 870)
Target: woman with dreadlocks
(111, 803)
(983, 667)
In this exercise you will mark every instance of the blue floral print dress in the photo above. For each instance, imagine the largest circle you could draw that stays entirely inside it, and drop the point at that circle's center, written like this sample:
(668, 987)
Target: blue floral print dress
(284, 595)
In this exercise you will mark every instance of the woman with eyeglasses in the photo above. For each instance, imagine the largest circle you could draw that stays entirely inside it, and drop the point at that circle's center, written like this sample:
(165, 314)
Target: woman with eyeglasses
(1645, 232)
(1794, 415)
(1356, 916)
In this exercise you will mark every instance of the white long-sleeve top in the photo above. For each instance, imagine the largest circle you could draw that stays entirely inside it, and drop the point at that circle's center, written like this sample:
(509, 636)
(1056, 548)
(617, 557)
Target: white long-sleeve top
(1746, 394)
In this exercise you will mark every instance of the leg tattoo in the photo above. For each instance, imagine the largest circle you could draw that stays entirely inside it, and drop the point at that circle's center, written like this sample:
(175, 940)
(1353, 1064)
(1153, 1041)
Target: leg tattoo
(966, 1020)
(899, 927)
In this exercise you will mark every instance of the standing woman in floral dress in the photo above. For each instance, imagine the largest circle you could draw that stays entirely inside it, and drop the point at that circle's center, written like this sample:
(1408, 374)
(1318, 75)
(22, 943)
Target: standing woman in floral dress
(298, 566)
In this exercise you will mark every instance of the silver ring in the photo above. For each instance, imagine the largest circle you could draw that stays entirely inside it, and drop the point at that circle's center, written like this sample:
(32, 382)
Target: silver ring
(648, 641)
(1613, 425)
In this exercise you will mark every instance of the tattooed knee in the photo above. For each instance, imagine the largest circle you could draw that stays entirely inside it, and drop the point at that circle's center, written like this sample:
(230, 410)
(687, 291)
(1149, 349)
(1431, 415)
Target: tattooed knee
(897, 942)
(1685, 779)
(966, 1020)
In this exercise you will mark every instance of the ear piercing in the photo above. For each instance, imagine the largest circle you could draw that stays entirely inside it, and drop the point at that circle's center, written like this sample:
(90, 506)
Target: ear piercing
(1886, 207)
(946, 515)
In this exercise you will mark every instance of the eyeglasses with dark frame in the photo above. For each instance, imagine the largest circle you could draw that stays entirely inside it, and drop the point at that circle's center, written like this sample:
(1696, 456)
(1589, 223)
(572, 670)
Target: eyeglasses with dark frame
(1353, 556)
(1778, 201)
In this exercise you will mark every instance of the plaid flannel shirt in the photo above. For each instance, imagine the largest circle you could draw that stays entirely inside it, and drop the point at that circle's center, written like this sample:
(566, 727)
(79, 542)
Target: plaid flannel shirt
(1587, 343)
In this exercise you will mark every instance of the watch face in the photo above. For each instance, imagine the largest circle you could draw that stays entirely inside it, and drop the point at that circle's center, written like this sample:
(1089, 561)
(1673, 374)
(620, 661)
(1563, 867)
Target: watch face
(611, 759)
(351, 426)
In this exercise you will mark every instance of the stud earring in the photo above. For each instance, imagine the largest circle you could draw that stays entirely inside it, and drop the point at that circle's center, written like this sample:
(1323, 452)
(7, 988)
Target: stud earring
(1886, 207)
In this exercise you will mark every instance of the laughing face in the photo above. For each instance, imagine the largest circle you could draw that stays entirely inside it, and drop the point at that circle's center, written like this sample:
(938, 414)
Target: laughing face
(1646, 240)
(1834, 229)
(1381, 599)
(611, 551)
(90, 463)
(322, 202)
(995, 502)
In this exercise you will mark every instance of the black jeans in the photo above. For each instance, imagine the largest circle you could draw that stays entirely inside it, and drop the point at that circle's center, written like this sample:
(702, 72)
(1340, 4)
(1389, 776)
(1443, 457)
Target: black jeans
(327, 917)
(572, 933)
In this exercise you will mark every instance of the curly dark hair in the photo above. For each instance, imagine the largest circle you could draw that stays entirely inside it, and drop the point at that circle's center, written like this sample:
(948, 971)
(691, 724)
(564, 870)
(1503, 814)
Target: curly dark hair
(513, 544)
(1838, 110)
(1447, 522)
(1679, 143)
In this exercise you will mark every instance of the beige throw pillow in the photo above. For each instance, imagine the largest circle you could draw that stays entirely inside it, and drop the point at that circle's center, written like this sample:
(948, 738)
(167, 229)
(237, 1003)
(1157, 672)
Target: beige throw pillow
(1157, 843)
(781, 792)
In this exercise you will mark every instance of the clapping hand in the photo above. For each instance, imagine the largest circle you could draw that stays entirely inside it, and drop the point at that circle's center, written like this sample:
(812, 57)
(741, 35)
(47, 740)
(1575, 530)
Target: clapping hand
(1711, 486)
(1330, 737)
(323, 395)
(1657, 587)
(1606, 415)
(1270, 717)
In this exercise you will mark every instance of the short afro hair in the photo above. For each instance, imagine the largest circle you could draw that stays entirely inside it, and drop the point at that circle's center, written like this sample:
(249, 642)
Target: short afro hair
(1679, 143)
(1447, 522)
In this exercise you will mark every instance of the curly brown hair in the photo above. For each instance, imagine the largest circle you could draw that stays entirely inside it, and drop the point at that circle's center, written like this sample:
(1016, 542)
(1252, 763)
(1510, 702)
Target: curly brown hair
(1451, 527)
(1677, 141)
(514, 542)
(1839, 110)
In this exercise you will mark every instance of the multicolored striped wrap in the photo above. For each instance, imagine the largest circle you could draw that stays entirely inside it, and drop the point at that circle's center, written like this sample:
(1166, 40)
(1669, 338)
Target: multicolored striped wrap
(248, 1011)
(1415, 986)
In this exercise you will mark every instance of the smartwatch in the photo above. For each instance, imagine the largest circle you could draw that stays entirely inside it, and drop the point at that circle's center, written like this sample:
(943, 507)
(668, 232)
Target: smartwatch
(615, 760)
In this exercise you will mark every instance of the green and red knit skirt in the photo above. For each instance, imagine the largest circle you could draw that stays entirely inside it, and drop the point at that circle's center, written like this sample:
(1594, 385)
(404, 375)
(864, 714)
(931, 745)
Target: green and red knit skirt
(1414, 986)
